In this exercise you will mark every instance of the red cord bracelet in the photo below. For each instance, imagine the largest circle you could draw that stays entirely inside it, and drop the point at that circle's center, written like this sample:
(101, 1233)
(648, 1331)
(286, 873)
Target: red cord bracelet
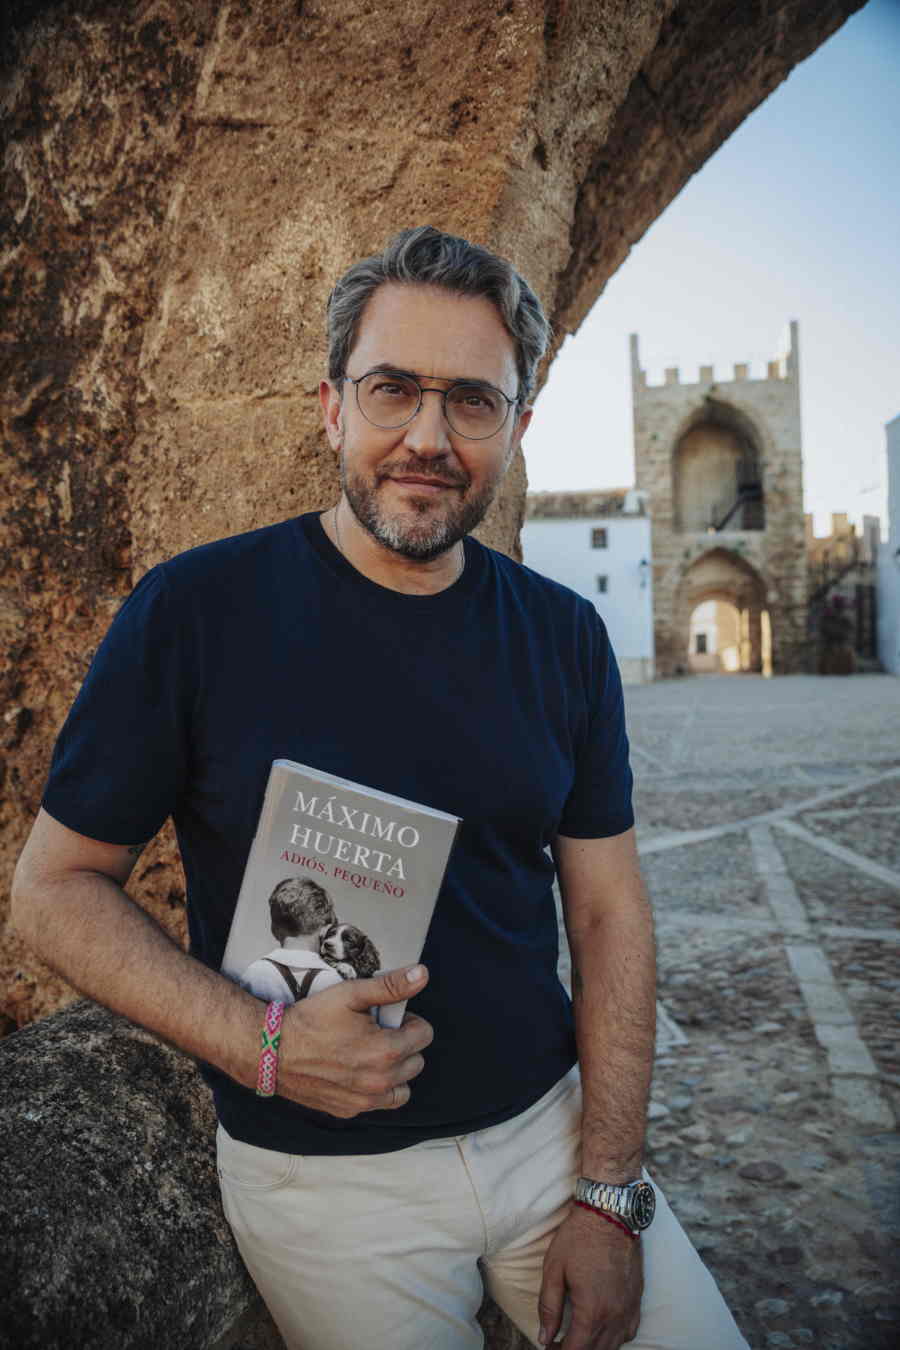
(601, 1214)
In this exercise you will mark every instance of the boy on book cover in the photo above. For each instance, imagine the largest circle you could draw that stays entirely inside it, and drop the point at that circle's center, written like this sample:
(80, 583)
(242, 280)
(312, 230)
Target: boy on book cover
(300, 912)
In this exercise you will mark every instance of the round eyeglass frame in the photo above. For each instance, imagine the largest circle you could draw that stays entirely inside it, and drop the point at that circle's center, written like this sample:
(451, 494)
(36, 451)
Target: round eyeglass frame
(430, 389)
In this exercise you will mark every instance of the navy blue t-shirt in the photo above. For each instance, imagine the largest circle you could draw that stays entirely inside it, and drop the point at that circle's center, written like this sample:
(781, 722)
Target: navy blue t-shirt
(497, 700)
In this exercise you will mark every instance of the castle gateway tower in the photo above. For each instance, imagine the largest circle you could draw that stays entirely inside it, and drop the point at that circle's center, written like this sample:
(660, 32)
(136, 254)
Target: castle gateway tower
(721, 463)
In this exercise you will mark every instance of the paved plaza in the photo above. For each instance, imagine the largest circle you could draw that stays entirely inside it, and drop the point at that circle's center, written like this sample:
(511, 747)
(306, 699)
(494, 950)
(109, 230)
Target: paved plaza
(769, 831)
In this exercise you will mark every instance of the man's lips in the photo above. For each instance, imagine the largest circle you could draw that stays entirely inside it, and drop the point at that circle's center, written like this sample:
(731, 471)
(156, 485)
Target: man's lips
(426, 484)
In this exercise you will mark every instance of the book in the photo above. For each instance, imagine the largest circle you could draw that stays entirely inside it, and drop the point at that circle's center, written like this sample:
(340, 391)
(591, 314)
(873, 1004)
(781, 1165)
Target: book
(340, 883)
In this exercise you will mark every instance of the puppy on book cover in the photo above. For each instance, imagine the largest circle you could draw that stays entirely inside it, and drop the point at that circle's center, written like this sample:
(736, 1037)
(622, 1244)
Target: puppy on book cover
(315, 949)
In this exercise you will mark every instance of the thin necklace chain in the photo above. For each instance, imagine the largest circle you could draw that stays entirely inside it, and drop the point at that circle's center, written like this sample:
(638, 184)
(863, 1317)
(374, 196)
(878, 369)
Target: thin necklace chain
(337, 536)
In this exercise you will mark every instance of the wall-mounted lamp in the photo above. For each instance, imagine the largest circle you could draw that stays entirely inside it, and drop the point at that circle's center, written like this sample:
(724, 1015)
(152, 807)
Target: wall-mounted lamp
(644, 572)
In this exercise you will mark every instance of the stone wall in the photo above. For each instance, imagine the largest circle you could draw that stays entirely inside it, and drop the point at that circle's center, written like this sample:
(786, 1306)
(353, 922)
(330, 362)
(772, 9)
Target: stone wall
(96, 116)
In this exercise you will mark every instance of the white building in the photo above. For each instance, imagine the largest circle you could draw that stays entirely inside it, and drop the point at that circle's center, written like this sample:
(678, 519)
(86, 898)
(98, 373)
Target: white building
(888, 580)
(598, 543)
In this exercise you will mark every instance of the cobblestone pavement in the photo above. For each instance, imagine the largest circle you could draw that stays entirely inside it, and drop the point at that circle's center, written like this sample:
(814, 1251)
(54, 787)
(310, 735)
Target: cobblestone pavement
(769, 831)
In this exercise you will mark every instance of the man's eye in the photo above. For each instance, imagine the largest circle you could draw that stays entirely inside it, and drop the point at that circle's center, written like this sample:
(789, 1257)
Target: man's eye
(392, 390)
(474, 400)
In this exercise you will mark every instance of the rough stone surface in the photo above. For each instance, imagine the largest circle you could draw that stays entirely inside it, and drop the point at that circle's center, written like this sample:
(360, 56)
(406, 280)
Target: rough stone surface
(113, 1235)
(95, 112)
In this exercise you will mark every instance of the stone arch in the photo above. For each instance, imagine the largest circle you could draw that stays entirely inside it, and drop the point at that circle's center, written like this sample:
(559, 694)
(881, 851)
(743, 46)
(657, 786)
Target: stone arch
(722, 574)
(714, 645)
(174, 244)
(718, 460)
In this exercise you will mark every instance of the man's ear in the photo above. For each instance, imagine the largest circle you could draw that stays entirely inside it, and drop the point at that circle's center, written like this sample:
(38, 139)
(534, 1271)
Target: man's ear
(519, 429)
(332, 412)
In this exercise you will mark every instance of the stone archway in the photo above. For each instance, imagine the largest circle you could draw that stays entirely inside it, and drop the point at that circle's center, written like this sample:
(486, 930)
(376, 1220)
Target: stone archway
(184, 182)
(717, 471)
(724, 576)
(714, 637)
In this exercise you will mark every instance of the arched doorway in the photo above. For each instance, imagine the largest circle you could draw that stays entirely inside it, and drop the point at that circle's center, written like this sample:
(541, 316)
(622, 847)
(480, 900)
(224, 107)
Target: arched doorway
(717, 472)
(722, 603)
(714, 641)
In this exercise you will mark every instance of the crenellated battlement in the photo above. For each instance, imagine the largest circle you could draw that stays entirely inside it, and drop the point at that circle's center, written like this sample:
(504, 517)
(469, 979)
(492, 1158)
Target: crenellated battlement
(784, 368)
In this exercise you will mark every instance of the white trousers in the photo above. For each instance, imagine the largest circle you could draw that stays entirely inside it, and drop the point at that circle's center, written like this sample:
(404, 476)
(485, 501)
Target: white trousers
(388, 1251)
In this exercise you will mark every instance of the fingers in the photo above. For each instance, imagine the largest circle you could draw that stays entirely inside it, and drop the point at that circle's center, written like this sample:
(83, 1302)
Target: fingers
(378, 1081)
(408, 1069)
(550, 1305)
(415, 1034)
(348, 1103)
(599, 1328)
(394, 986)
(342, 1062)
(366, 1069)
(398, 1096)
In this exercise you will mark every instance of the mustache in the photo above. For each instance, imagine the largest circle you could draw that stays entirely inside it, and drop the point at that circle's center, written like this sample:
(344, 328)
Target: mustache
(427, 469)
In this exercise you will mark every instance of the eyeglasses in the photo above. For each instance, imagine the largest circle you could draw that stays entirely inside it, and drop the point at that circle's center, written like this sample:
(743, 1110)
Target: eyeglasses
(391, 398)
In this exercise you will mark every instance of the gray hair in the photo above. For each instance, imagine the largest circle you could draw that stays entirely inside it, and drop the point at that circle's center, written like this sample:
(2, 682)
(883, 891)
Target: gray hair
(425, 256)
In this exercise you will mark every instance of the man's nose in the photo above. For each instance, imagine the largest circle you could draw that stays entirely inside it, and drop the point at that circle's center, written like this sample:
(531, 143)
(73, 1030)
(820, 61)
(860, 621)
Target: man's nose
(428, 433)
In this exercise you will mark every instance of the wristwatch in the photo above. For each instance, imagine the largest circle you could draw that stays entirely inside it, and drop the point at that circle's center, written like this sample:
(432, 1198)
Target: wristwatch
(634, 1204)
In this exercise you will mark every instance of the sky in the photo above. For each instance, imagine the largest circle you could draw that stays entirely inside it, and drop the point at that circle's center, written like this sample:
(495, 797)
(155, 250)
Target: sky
(796, 216)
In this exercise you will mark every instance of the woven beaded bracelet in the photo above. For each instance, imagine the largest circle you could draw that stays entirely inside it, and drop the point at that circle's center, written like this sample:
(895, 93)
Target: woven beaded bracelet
(267, 1074)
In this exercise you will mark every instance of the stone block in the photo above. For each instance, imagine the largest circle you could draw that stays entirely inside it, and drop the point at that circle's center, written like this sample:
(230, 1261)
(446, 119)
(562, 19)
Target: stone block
(113, 1229)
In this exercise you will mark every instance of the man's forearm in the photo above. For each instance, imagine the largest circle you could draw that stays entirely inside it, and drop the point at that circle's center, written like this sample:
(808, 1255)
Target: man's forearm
(614, 1000)
(70, 906)
(87, 928)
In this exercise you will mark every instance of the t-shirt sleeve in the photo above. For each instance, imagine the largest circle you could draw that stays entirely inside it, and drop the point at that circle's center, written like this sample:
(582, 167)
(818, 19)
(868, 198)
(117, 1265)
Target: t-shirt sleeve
(599, 804)
(120, 760)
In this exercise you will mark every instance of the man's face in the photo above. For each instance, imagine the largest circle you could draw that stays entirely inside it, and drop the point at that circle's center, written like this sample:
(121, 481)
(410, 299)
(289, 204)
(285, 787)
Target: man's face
(419, 488)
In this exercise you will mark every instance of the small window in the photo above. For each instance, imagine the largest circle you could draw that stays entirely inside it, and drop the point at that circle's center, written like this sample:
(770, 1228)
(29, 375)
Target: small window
(701, 644)
(598, 538)
(601, 585)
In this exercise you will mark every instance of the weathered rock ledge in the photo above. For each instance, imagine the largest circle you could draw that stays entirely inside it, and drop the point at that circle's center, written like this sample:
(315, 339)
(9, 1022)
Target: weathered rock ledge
(113, 1235)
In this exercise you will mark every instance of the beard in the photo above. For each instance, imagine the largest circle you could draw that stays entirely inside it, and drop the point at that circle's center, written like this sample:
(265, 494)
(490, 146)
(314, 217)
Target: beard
(424, 529)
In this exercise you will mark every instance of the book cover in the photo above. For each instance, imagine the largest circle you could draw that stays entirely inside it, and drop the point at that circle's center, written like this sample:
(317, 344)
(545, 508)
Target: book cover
(340, 883)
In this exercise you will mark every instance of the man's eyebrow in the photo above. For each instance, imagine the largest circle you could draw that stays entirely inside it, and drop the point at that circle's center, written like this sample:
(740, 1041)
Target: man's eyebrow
(385, 368)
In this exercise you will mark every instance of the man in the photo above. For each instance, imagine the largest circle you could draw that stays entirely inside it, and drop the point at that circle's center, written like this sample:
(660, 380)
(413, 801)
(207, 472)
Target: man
(299, 911)
(380, 642)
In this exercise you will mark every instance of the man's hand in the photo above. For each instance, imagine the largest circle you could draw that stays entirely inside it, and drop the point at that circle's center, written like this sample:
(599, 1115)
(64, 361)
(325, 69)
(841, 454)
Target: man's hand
(69, 904)
(333, 1057)
(601, 1270)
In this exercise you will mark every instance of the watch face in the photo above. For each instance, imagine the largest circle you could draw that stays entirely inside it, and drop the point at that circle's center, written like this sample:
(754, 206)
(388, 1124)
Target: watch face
(643, 1205)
